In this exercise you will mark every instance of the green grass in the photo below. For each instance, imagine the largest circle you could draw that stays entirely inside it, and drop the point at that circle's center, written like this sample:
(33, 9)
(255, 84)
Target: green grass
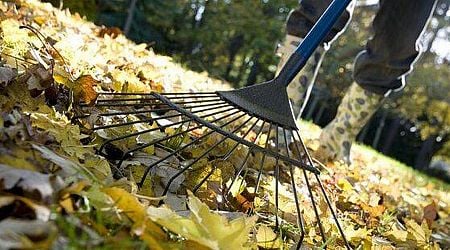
(421, 178)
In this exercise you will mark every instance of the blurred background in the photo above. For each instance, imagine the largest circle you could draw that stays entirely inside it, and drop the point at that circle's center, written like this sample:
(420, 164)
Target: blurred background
(235, 40)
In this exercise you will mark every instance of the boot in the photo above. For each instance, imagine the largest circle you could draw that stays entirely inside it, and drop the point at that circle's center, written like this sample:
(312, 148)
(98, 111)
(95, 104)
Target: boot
(356, 108)
(300, 88)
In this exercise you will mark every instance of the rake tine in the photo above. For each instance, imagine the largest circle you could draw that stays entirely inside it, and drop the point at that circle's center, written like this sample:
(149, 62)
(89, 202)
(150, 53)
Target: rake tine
(263, 160)
(230, 152)
(313, 202)
(332, 212)
(201, 156)
(185, 146)
(149, 120)
(152, 99)
(242, 166)
(194, 190)
(227, 154)
(157, 110)
(171, 136)
(324, 193)
(155, 129)
(300, 222)
(277, 179)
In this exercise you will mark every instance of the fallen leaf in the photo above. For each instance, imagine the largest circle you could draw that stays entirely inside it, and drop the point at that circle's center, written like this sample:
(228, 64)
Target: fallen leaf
(267, 239)
(26, 234)
(83, 90)
(6, 75)
(203, 226)
(113, 32)
(22, 208)
(430, 213)
(34, 185)
(134, 210)
(419, 234)
(68, 167)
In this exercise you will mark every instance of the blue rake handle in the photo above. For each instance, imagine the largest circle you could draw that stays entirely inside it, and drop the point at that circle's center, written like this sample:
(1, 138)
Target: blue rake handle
(314, 37)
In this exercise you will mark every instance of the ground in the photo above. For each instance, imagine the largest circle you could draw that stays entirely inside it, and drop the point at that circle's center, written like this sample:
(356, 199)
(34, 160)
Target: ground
(55, 191)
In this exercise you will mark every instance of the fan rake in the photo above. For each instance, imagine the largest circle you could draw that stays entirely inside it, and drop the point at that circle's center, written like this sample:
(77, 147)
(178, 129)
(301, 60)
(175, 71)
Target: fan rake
(251, 131)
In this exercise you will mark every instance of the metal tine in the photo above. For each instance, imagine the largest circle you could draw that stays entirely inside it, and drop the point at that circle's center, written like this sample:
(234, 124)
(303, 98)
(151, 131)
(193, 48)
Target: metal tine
(165, 117)
(308, 185)
(171, 136)
(300, 220)
(324, 193)
(156, 110)
(263, 159)
(155, 98)
(242, 166)
(147, 171)
(277, 178)
(189, 93)
(118, 102)
(202, 155)
(159, 128)
(153, 93)
(228, 154)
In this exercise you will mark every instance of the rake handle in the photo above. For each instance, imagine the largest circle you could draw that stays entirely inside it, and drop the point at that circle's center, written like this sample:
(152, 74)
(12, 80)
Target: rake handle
(314, 37)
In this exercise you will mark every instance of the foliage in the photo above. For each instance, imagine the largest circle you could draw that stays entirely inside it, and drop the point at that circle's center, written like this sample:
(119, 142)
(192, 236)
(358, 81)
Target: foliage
(56, 192)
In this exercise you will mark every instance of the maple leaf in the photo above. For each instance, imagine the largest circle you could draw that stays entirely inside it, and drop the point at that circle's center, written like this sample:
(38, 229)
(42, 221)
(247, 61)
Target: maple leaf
(129, 204)
(83, 89)
(203, 226)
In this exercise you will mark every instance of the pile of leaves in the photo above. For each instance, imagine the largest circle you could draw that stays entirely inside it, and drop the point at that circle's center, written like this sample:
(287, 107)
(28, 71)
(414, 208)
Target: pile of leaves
(55, 191)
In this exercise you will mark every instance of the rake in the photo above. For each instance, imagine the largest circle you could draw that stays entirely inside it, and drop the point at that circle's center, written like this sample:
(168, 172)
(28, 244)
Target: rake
(252, 129)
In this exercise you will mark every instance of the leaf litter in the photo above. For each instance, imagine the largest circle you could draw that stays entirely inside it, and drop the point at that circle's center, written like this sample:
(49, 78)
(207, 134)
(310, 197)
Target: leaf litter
(69, 197)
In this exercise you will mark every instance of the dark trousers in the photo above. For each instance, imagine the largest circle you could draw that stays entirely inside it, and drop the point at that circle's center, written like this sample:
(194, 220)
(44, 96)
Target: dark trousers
(391, 51)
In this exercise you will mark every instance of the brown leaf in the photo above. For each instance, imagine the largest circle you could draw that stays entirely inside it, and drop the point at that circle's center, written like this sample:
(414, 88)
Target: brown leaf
(113, 32)
(430, 213)
(83, 90)
(22, 208)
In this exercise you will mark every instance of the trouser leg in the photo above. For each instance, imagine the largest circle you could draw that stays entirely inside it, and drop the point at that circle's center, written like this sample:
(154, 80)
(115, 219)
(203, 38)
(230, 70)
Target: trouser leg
(391, 52)
(302, 19)
(389, 55)
(298, 24)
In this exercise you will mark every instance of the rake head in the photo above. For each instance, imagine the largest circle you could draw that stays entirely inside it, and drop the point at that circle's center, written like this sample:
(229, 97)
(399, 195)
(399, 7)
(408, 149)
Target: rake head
(193, 136)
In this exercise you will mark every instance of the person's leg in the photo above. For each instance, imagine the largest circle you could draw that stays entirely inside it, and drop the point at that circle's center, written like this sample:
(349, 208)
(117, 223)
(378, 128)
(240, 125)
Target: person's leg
(298, 24)
(379, 69)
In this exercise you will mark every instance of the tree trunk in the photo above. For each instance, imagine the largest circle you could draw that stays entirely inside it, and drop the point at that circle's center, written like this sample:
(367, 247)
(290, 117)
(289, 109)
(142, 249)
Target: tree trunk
(379, 131)
(130, 16)
(392, 134)
(254, 71)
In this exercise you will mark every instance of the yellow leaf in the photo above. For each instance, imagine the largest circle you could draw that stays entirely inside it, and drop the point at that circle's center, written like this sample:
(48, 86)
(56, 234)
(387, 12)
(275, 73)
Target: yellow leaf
(356, 236)
(418, 233)
(267, 239)
(13, 38)
(203, 226)
(396, 235)
(130, 205)
(345, 185)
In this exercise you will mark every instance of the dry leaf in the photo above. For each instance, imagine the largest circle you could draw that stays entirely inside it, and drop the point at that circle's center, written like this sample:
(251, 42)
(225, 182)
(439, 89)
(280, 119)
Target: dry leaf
(134, 210)
(267, 239)
(430, 213)
(203, 226)
(34, 185)
(83, 90)
(26, 234)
